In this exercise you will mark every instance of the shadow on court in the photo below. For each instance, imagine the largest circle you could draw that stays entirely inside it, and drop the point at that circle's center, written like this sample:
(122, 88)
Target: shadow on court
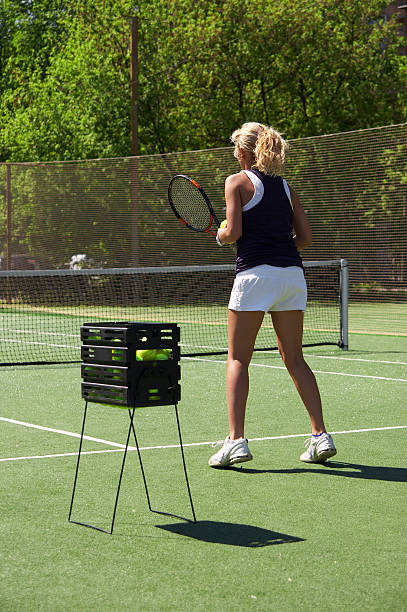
(336, 468)
(232, 534)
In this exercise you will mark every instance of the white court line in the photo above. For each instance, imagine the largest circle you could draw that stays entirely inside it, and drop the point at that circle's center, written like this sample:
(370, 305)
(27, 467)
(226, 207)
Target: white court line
(349, 431)
(189, 444)
(75, 454)
(10, 340)
(262, 365)
(355, 359)
(43, 333)
(65, 433)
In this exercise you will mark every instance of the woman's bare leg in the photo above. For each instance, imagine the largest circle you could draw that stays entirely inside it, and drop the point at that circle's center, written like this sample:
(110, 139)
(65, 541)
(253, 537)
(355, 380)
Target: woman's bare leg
(243, 327)
(288, 326)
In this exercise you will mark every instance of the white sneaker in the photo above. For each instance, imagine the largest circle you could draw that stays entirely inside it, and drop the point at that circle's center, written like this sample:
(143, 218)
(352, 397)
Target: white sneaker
(232, 451)
(319, 449)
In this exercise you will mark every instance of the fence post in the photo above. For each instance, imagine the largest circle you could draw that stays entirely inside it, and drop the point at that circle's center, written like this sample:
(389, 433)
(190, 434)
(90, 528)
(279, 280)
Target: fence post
(134, 69)
(8, 216)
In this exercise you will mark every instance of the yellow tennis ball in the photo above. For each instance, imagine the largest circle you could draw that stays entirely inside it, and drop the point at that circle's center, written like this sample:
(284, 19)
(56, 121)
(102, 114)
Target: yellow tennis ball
(164, 354)
(146, 355)
(222, 226)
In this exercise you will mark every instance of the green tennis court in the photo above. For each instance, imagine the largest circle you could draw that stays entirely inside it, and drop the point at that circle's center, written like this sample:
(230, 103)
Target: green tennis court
(275, 534)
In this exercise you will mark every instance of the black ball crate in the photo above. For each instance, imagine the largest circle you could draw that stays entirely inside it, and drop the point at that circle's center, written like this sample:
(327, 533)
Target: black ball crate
(112, 374)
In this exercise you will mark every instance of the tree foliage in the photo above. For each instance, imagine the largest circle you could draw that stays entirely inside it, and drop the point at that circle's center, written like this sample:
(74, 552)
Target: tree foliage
(308, 67)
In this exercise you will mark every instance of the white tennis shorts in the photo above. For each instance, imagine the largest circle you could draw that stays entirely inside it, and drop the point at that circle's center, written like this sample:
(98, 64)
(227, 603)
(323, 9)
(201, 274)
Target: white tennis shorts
(269, 288)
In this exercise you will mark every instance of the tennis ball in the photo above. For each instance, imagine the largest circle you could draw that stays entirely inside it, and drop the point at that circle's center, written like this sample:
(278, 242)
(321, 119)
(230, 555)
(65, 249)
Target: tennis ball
(146, 355)
(164, 354)
(222, 226)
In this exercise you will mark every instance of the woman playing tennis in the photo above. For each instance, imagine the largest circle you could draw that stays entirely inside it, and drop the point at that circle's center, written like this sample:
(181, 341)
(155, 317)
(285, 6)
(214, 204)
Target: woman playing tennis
(267, 222)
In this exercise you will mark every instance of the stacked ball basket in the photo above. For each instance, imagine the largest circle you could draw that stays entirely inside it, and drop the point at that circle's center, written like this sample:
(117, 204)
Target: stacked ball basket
(113, 375)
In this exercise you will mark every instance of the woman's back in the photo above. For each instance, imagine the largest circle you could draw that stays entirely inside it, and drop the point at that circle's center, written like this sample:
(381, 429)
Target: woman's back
(267, 225)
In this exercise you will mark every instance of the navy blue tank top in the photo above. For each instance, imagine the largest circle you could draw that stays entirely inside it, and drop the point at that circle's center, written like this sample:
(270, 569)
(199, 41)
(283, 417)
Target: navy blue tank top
(267, 226)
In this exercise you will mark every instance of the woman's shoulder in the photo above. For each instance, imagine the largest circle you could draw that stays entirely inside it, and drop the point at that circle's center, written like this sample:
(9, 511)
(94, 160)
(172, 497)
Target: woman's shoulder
(234, 180)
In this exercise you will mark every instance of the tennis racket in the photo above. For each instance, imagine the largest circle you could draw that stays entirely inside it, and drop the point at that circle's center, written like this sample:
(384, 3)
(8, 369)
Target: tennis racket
(191, 205)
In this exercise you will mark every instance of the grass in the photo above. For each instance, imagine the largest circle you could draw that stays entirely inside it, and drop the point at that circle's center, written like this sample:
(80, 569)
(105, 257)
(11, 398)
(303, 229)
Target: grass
(378, 318)
(273, 534)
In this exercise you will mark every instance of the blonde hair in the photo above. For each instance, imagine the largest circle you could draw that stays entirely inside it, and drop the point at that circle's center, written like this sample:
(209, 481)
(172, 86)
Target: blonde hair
(266, 145)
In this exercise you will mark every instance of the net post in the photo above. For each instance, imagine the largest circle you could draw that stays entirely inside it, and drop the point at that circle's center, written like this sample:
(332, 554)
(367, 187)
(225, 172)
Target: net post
(344, 299)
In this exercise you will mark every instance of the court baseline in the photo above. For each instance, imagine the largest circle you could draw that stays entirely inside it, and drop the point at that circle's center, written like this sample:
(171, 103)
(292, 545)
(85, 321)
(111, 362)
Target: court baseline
(121, 447)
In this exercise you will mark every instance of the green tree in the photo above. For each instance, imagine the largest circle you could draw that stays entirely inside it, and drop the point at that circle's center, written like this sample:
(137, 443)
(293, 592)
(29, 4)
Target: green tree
(309, 67)
(79, 106)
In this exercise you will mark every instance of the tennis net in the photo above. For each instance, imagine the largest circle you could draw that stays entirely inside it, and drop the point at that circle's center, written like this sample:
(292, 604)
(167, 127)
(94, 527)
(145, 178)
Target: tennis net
(41, 311)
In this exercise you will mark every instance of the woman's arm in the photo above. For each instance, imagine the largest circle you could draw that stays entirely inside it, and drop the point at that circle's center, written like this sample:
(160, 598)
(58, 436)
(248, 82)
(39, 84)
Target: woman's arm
(233, 230)
(303, 235)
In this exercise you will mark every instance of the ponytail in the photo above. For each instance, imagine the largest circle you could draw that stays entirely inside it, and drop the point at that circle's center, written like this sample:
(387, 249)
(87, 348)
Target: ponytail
(269, 152)
(266, 145)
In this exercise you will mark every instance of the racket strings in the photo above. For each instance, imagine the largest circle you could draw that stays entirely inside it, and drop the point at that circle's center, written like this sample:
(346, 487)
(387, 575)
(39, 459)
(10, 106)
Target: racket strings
(190, 204)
